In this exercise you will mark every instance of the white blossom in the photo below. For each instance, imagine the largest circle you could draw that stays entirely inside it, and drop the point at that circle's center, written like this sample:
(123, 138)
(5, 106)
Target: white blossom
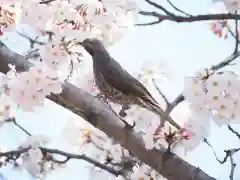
(138, 172)
(35, 141)
(31, 165)
(151, 70)
(232, 5)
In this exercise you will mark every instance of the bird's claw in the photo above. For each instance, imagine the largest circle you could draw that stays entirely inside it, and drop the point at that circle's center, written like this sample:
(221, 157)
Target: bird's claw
(127, 125)
(100, 96)
(122, 112)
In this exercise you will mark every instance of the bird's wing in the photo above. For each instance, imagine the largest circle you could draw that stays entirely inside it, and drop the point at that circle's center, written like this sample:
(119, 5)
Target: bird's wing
(120, 79)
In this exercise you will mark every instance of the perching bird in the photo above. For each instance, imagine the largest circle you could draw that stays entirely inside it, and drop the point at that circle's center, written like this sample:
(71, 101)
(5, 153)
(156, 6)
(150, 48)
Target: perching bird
(116, 84)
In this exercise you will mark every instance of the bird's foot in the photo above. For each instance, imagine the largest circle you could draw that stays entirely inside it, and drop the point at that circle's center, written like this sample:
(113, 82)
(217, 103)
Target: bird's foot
(127, 125)
(100, 96)
(122, 112)
(103, 98)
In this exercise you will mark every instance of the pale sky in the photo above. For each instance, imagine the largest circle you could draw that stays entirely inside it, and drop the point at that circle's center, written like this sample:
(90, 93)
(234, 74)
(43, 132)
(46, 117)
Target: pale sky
(185, 48)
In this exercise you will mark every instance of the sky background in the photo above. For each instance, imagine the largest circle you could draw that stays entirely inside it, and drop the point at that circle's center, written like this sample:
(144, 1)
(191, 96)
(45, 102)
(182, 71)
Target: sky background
(185, 48)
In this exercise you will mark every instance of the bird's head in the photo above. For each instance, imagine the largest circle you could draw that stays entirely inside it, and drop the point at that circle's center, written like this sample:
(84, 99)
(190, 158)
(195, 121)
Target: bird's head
(93, 45)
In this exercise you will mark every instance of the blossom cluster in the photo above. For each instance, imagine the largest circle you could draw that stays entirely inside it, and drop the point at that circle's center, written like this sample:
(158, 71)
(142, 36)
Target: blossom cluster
(213, 97)
(216, 96)
(210, 96)
(105, 19)
(8, 18)
(69, 22)
(221, 27)
(28, 89)
(143, 172)
(37, 163)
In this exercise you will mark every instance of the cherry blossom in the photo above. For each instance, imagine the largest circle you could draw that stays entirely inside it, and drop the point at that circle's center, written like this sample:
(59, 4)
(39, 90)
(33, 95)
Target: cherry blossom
(139, 172)
(220, 27)
(194, 90)
(7, 108)
(59, 16)
(151, 70)
(232, 5)
(119, 177)
(87, 82)
(35, 141)
(216, 96)
(151, 136)
(55, 54)
(210, 96)
(31, 160)
(31, 165)
(9, 16)
(35, 153)
(113, 153)
(28, 89)
(199, 109)
(78, 135)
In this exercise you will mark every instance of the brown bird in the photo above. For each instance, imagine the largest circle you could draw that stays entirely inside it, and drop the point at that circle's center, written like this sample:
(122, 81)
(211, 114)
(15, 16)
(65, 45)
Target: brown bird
(117, 85)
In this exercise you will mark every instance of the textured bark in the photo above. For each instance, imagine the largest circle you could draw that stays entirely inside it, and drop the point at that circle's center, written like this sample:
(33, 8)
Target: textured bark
(100, 116)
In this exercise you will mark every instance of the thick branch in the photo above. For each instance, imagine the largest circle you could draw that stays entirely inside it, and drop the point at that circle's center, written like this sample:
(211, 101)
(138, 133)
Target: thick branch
(99, 115)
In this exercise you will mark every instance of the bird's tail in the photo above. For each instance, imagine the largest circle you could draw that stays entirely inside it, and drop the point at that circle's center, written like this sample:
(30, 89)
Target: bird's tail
(165, 117)
(155, 108)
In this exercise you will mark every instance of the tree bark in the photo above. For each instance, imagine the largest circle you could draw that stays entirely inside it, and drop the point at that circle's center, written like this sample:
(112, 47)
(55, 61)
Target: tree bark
(102, 117)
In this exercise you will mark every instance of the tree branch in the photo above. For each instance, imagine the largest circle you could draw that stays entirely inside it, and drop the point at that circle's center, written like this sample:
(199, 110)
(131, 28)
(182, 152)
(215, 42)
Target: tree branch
(69, 156)
(169, 16)
(189, 19)
(228, 154)
(100, 116)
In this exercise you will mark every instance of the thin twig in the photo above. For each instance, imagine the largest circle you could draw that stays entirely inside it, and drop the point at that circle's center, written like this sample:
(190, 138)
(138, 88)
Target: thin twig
(190, 19)
(234, 132)
(177, 9)
(149, 23)
(46, 2)
(232, 33)
(32, 41)
(171, 15)
(214, 152)
(237, 35)
(13, 120)
(225, 62)
(228, 154)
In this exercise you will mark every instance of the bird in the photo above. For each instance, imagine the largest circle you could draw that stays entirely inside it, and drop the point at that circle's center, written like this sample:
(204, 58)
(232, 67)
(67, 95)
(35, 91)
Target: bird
(117, 85)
